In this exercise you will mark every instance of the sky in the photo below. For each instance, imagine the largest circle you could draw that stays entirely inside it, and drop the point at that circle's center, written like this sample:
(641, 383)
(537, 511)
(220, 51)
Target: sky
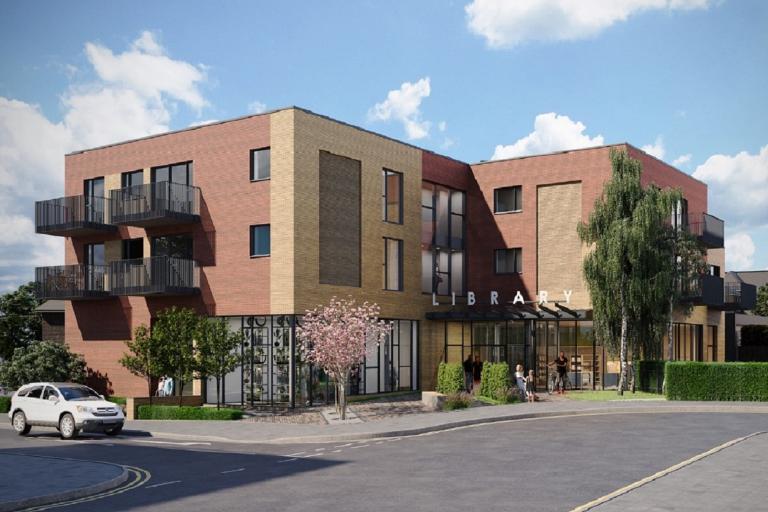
(686, 80)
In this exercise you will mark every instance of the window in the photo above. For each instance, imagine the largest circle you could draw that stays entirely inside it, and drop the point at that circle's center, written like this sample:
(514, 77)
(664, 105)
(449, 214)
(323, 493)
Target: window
(260, 164)
(35, 392)
(680, 214)
(509, 261)
(392, 196)
(442, 239)
(176, 173)
(393, 264)
(260, 240)
(132, 179)
(94, 254)
(49, 392)
(508, 199)
(133, 249)
(93, 188)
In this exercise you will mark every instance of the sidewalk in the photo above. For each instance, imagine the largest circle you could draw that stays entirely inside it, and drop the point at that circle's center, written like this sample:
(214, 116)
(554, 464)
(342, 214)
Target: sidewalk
(259, 433)
(37, 480)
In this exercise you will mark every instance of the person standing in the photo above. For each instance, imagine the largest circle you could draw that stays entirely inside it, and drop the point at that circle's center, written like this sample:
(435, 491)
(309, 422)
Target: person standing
(561, 366)
(530, 387)
(520, 380)
(477, 371)
(468, 375)
(160, 386)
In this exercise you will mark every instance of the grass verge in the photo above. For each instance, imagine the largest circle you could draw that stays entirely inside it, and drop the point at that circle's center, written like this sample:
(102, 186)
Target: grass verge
(610, 395)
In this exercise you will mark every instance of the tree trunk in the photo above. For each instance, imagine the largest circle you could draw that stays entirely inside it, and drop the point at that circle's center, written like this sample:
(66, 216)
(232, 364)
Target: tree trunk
(670, 344)
(149, 385)
(180, 390)
(342, 401)
(623, 349)
(218, 393)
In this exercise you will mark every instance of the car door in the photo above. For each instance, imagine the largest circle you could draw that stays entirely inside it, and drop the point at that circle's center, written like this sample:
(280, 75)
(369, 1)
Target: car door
(32, 404)
(50, 408)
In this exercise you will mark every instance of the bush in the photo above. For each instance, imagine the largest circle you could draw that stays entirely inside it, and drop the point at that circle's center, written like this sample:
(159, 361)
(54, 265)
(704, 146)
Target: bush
(457, 401)
(175, 412)
(119, 400)
(716, 381)
(450, 378)
(754, 335)
(42, 361)
(495, 381)
(5, 403)
(650, 376)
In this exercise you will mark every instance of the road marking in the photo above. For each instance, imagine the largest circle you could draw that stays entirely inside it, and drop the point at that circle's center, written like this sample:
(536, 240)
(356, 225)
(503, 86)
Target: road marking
(294, 454)
(631, 487)
(337, 451)
(171, 482)
(359, 446)
(232, 471)
(311, 455)
(380, 442)
(287, 460)
(319, 449)
(186, 443)
(343, 445)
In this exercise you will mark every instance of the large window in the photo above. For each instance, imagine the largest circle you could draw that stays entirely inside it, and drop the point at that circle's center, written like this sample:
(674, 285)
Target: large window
(133, 248)
(508, 199)
(442, 239)
(132, 179)
(176, 173)
(94, 254)
(260, 240)
(393, 264)
(509, 261)
(392, 196)
(260, 164)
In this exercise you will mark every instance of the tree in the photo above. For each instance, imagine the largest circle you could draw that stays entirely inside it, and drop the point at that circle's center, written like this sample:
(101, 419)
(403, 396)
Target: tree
(174, 332)
(42, 361)
(631, 270)
(337, 338)
(142, 361)
(761, 307)
(20, 324)
(216, 353)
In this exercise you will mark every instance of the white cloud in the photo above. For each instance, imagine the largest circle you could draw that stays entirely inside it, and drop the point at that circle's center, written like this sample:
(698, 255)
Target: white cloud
(507, 23)
(133, 96)
(442, 125)
(738, 187)
(551, 132)
(404, 105)
(682, 160)
(656, 149)
(257, 107)
(739, 252)
(203, 123)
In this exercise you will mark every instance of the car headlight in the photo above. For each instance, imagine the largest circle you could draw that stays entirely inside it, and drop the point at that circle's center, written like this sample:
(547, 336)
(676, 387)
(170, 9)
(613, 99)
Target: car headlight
(83, 408)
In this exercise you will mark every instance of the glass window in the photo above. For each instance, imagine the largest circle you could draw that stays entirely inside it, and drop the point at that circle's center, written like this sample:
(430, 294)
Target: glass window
(392, 196)
(133, 248)
(94, 187)
(49, 392)
(260, 243)
(442, 239)
(393, 264)
(441, 217)
(35, 392)
(508, 199)
(509, 261)
(94, 254)
(176, 173)
(132, 179)
(426, 271)
(260, 164)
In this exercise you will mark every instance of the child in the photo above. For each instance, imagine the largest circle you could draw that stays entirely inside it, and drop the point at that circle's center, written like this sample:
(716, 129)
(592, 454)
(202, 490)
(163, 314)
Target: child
(529, 387)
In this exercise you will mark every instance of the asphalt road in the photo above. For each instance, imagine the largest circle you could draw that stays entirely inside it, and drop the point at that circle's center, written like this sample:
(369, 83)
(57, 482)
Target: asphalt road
(545, 464)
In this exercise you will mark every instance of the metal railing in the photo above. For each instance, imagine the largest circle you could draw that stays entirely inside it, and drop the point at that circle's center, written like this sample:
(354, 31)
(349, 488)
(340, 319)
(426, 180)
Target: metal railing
(705, 290)
(154, 200)
(158, 275)
(71, 282)
(740, 295)
(708, 228)
(71, 213)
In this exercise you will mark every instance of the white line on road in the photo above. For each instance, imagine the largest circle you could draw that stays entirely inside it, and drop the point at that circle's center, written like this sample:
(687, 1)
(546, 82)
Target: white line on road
(186, 443)
(294, 454)
(343, 445)
(287, 460)
(360, 446)
(162, 484)
(232, 471)
(319, 449)
(336, 451)
(311, 455)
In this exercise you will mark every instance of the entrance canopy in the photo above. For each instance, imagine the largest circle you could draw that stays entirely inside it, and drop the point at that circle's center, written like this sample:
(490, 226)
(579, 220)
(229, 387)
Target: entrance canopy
(554, 311)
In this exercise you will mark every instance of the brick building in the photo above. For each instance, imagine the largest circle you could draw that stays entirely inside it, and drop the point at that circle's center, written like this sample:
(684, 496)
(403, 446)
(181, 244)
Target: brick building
(260, 218)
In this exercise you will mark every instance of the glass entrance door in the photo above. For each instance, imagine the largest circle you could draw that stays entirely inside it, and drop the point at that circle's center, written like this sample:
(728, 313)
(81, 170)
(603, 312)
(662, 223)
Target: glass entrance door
(267, 360)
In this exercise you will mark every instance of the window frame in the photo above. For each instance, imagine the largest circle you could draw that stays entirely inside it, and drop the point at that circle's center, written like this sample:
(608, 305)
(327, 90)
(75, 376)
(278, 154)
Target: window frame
(518, 263)
(251, 154)
(385, 173)
(189, 172)
(400, 261)
(435, 249)
(518, 199)
(127, 174)
(252, 231)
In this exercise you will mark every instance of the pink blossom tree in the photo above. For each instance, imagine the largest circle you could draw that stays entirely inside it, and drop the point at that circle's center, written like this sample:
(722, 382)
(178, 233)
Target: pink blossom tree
(337, 337)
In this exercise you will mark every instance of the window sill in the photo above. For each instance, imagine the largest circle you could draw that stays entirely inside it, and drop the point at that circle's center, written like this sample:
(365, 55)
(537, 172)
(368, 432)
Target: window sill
(507, 213)
(261, 179)
(388, 290)
(255, 256)
(392, 222)
(508, 273)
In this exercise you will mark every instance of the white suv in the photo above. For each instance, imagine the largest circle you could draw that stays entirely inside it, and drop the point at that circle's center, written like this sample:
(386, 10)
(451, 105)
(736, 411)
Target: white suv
(68, 407)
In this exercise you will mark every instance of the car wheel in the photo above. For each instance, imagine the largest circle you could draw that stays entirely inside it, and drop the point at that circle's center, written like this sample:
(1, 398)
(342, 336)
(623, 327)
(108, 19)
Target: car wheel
(114, 431)
(20, 424)
(67, 427)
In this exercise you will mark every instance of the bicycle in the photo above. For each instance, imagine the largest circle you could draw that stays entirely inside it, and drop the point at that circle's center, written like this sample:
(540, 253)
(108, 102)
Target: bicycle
(554, 379)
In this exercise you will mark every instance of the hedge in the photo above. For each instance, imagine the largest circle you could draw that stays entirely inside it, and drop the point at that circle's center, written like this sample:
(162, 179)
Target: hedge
(175, 412)
(450, 378)
(495, 381)
(688, 380)
(650, 376)
(5, 403)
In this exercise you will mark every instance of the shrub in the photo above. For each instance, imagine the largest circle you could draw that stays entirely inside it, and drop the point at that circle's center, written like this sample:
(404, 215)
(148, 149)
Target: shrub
(119, 400)
(650, 376)
(716, 381)
(175, 412)
(457, 401)
(450, 378)
(5, 403)
(495, 380)
(42, 361)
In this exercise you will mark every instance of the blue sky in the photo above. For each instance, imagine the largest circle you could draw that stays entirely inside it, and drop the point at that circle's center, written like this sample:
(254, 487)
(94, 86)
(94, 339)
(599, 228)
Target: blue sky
(473, 80)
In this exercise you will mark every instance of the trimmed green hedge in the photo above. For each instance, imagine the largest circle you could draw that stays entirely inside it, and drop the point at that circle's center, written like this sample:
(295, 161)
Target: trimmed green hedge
(175, 412)
(688, 380)
(5, 403)
(650, 376)
(450, 378)
(495, 381)
(119, 400)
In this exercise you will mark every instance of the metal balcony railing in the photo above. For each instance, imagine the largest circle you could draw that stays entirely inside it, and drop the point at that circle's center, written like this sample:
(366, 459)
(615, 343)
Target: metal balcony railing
(154, 204)
(705, 290)
(709, 229)
(740, 296)
(71, 282)
(73, 216)
(159, 275)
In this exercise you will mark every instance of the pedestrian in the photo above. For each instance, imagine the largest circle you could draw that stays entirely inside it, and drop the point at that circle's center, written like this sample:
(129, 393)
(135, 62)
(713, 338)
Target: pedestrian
(160, 386)
(168, 386)
(467, 365)
(561, 366)
(520, 380)
(530, 387)
(477, 371)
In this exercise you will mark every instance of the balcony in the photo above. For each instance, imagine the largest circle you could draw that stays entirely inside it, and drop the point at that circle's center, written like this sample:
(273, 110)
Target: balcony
(73, 216)
(159, 275)
(155, 204)
(71, 282)
(705, 291)
(740, 296)
(709, 229)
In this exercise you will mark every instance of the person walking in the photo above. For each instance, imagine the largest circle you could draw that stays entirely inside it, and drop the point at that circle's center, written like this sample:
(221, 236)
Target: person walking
(520, 380)
(561, 366)
(160, 386)
(477, 371)
(468, 374)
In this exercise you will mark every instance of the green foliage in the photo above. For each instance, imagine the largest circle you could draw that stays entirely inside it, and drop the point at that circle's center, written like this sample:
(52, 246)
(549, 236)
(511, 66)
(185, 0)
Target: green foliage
(754, 335)
(688, 380)
(217, 351)
(512, 397)
(174, 412)
(450, 378)
(761, 306)
(457, 401)
(144, 359)
(19, 323)
(174, 332)
(5, 403)
(119, 400)
(495, 381)
(650, 375)
(42, 361)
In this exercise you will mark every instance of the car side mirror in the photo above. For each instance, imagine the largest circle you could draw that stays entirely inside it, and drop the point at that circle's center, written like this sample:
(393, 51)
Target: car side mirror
(102, 397)
(53, 399)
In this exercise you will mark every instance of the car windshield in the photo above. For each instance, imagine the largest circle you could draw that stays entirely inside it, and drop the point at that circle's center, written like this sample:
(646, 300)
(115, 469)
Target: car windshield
(79, 393)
